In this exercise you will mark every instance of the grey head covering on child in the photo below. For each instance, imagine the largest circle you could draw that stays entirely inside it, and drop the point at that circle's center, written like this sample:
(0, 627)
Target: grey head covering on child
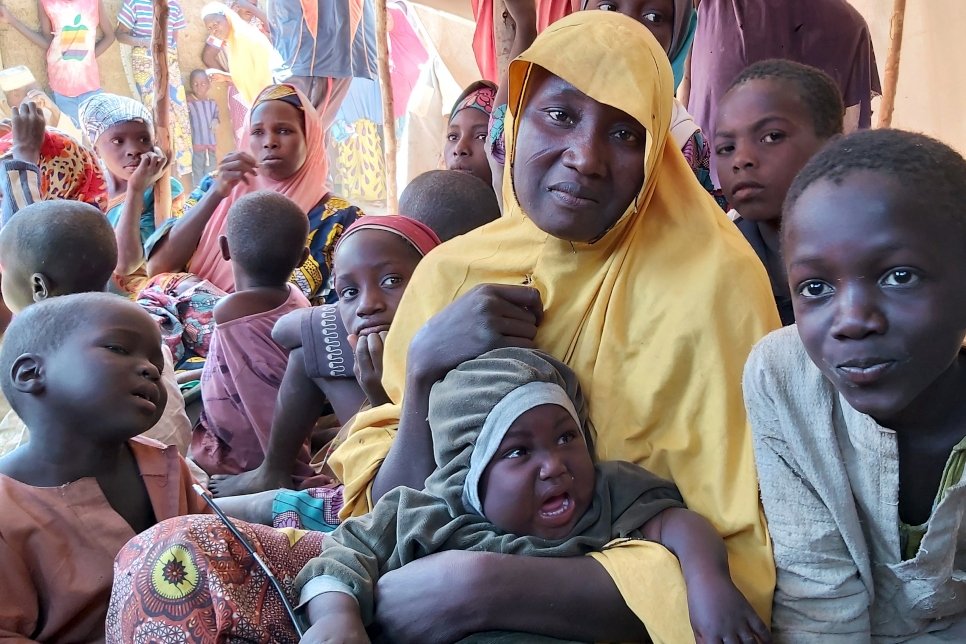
(471, 410)
(103, 111)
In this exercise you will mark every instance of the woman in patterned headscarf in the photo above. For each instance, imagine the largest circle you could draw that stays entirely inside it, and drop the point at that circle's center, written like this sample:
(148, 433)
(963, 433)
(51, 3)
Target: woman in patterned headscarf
(281, 150)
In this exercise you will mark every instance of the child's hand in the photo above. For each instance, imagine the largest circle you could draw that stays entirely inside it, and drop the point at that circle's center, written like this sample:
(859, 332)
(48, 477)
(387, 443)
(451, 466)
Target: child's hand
(337, 628)
(149, 170)
(368, 367)
(47, 106)
(234, 168)
(28, 125)
(720, 613)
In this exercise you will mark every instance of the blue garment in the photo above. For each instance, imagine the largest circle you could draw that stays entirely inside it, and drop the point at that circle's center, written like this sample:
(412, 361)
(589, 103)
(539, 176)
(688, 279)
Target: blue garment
(70, 105)
(147, 215)
(335, 53)
(677, 65)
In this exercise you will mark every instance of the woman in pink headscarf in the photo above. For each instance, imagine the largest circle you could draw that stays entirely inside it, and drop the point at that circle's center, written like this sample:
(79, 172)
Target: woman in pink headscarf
(281, 150)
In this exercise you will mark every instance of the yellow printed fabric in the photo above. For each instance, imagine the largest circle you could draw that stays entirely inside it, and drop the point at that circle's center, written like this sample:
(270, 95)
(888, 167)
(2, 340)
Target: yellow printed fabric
(656, 318)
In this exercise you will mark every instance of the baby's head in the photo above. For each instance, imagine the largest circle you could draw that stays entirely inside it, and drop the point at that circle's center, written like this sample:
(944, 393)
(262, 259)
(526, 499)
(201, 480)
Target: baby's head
(119, 129)
(53, 248)
(513, 442)
(90, 362)
(874, 242)
(264, 239)
(452, 203)
(200, 84)
(372, 263)
(469, 121)
(774, 118)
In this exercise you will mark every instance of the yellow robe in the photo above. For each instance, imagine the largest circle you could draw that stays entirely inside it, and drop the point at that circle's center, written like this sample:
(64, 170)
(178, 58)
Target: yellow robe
(656, 318)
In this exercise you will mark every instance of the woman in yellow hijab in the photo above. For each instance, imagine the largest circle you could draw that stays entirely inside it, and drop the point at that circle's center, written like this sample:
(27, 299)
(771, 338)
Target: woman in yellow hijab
(613, 259)
(250, 54)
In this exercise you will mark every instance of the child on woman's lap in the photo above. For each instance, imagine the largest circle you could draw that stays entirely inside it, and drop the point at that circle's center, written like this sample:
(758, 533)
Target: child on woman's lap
(265, 241)
(84, 472)
(774, 118)
(373, 262)
(516, 475)
(859, 417)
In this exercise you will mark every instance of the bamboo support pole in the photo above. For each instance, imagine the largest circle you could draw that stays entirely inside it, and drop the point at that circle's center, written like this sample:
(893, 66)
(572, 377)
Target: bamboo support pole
(162, 109)
(504, 30)
(892, 64)
(388, 121)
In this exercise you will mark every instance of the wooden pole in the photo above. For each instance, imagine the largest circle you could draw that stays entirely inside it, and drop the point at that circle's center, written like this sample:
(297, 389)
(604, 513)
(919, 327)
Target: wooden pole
(162, 109)
(504, 29)
(892, 64)
(388, 121)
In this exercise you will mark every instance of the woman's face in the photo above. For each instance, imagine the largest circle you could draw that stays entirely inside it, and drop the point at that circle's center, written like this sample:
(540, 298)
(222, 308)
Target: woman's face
(578, 163)
(277, 139)
(465, 144)
(656, 15)
(217, 26)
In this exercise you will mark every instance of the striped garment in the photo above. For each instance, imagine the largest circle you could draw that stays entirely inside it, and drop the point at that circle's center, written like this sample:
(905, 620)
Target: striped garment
(203, 115)
(138, 16)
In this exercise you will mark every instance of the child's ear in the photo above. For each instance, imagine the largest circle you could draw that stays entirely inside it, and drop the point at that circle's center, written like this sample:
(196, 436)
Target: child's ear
(40, 287)
(223, 244)
(28, 375)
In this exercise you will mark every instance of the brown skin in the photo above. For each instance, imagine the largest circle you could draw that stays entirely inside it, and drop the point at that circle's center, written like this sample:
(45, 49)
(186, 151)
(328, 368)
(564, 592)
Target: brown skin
(218, 26)
(79, 429)
(656, 15)
(134, 164)
(579, 163)
(465, 147)
(200, 85)
(540, 482)
(372, 270)
(585, 148)
(44, 35)
(764, 136)
(277, 150)
(877, 291)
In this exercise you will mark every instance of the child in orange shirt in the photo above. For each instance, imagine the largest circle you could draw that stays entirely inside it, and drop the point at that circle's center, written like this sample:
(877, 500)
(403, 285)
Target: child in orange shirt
(84, 372)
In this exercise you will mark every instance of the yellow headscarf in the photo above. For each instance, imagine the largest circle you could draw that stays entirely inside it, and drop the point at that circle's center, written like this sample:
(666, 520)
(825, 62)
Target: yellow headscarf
(656, 318)
(250, 54)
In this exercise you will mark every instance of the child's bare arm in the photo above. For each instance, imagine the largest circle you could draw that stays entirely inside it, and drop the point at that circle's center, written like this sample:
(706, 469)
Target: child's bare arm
(287, 332)
(336, 620)
(41, 38)
(718, 609)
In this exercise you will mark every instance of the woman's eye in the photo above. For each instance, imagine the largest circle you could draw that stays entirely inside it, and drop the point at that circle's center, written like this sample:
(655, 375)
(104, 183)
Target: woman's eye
(654, 16)
(285, 131)
(606, 6)
(392, 280)
(899, 277)
(773, 137)
(256, 132)
(452, 138)
(481, 136)
(116, 141)
(348, 293)
(114, 348)
(516, 452)
(627, 136)
(558, 115)
(814, 288)
(722, 150)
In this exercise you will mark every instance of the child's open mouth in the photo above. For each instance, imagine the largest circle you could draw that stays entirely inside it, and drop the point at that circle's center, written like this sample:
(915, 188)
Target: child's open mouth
(558, 509)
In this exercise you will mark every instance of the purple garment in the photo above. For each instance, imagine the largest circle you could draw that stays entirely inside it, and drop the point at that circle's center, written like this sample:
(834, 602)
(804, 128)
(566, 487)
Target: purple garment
(239, 385)
(828, 34)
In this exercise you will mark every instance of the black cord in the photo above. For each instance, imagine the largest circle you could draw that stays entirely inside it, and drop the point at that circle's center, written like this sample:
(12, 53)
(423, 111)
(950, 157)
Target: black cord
(206, 495)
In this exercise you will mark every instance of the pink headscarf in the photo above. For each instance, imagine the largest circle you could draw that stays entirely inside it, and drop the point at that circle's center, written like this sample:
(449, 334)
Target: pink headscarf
(418, 234)
(306, 187)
